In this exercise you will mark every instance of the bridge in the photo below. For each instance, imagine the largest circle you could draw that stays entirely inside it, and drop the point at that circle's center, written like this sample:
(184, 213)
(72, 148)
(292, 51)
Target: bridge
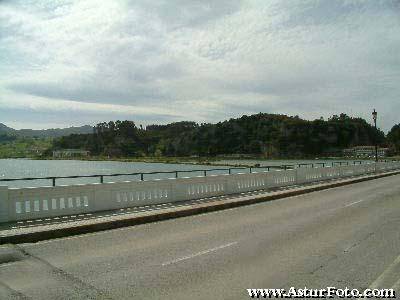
(347, 236)
(17, 204)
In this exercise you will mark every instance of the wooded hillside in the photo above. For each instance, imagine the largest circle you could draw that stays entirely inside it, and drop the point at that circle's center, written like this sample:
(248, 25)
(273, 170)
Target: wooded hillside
(270, 135)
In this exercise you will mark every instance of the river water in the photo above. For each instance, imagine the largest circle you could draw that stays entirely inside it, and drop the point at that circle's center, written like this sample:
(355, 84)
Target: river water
(23, 168)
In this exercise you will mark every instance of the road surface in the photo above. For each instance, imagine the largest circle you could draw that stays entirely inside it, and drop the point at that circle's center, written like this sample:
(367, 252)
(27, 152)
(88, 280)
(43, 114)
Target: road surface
(346, 236)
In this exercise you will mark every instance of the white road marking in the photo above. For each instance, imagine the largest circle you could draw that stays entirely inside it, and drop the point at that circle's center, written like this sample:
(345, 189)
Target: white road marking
(396, 286)
(387, 275)
(353, 203)
(198, 254)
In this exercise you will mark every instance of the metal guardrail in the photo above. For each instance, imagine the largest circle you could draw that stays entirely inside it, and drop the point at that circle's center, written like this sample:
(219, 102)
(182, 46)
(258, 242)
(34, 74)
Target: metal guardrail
(141, 174)
(177, 172)
(43, 202)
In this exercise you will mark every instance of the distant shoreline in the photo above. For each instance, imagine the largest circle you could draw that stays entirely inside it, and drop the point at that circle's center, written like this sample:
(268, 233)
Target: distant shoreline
(214, 161)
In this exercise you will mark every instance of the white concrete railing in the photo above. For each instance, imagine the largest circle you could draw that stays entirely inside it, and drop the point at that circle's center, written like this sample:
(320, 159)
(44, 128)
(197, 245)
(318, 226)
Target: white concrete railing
(43, 202)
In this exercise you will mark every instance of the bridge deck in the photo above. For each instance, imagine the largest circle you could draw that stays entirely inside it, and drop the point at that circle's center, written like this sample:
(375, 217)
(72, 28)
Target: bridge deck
(41, 229)
(342, 237)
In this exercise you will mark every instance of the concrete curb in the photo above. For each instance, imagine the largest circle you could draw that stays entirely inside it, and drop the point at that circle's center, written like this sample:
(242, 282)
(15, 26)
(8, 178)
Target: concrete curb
(195, 209)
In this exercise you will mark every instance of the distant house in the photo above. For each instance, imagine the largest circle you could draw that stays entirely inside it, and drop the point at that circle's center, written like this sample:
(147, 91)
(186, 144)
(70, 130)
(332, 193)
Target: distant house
(36, 150)
(365, 152)
(349, 152)
(70, 153)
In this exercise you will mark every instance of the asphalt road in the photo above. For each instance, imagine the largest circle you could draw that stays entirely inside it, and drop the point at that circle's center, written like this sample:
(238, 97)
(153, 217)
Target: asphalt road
(346, 236)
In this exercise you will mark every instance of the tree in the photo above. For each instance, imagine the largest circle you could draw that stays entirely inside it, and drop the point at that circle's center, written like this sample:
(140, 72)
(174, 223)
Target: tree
(394, 138)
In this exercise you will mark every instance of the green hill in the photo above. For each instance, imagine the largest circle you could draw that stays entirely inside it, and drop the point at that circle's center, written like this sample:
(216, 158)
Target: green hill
(45, 133)
(269, 135)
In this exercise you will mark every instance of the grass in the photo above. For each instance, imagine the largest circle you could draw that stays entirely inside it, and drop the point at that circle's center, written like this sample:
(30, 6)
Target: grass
(24, 148)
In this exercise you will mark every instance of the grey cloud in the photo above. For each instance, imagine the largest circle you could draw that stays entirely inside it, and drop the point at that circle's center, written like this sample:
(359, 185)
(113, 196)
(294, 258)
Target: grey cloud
(95, 93)
(209, 59)
(182, 13)
(314, 13)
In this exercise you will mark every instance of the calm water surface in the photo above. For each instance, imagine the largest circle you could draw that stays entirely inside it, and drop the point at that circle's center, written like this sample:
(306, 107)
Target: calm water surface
(22, 168)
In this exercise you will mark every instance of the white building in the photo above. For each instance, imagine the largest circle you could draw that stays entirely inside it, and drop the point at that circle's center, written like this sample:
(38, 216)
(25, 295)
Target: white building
(70, 153)
(365, 152)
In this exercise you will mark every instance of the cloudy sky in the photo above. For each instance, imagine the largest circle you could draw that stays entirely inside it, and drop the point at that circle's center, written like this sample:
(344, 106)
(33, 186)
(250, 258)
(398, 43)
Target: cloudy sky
(66, 62)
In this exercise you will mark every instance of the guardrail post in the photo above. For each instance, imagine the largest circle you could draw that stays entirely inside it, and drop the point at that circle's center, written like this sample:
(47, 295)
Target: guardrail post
(141, 177)
(54, 181)
(205, 173)
(4, 204)
(101, 179)
(250, 170)
(176, 174)
(230, 171)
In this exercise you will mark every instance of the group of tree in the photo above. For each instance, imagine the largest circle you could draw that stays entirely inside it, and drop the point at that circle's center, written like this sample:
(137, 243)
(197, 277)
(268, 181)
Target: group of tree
(393, 138)
(270, 135)
(6, 138)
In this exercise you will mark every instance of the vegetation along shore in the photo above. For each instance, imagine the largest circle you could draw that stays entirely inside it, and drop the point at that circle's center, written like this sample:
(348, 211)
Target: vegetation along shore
(259, 136)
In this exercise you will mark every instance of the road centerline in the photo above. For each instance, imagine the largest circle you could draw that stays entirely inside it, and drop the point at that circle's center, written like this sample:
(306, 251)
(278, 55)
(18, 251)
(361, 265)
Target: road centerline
(354, 203)
(198, 254)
